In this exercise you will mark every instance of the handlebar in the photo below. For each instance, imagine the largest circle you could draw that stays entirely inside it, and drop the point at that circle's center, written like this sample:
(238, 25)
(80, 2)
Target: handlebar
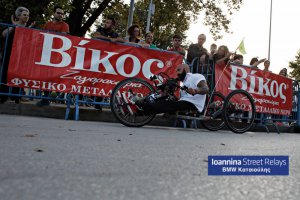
(184, 88)
(168, 80)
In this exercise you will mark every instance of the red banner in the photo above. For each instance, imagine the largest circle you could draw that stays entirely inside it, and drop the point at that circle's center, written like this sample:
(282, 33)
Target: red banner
(272, 93)
(53, 62)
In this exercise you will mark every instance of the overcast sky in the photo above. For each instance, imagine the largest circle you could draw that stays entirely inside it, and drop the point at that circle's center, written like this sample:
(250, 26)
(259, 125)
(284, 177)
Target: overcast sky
(252, 23)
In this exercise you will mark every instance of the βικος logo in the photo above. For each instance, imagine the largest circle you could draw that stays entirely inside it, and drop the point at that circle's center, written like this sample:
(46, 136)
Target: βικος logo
(248, 165)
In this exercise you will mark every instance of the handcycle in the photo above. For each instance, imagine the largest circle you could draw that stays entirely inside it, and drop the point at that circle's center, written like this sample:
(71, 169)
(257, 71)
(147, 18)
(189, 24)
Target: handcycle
(236, 111)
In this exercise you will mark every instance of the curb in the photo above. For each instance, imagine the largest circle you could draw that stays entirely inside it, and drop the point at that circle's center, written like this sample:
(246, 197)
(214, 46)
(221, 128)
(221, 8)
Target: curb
(57, 111)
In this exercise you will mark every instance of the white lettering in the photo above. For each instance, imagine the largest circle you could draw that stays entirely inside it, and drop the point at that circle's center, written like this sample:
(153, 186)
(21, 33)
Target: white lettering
(147, 67)
(234, 78)
(47, 51)
(104, 61)
(136, 67)
(79, 62)
(282, 96)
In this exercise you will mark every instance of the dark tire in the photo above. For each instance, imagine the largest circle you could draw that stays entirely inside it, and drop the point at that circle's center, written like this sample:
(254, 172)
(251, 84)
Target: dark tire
(142, 88)
(239, 111)
(214, 112)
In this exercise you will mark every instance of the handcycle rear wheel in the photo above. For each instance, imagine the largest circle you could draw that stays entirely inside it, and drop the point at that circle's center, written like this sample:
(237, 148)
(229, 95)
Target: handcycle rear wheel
(120, 107)
(239, 111)
(214, 112)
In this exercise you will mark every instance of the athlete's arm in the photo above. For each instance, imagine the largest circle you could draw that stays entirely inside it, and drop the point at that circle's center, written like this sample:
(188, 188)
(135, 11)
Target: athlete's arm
(202, 88)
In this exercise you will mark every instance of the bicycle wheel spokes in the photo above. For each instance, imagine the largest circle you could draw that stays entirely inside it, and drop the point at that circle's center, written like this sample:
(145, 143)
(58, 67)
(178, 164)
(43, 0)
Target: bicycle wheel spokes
(123, 100)
(239, 111)
(214, 112)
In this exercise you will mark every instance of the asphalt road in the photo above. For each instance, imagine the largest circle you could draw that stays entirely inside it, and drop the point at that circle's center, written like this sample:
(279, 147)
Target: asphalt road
(51, 159)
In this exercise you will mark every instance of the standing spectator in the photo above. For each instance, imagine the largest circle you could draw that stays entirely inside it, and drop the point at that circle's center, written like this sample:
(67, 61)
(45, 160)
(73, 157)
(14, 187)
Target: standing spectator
(107, 32)
(177, 39)
(267, 66)
(134, 34)
(266, 69)
(20, 18)
(56, 25)
(255, 62)
(238, 59)
(283, 72)
(213, 50)
(222, 56)
(197, 50)
(149, 40)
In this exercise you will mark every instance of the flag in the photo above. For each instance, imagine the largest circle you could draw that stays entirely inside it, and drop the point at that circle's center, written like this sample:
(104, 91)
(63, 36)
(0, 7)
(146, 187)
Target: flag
(241, 47)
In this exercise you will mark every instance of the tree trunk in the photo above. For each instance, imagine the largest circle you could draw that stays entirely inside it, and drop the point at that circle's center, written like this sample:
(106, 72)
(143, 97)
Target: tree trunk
(76, 16)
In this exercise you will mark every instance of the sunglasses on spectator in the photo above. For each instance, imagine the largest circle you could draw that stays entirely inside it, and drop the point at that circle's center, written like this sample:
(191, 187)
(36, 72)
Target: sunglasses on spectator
(60, 13)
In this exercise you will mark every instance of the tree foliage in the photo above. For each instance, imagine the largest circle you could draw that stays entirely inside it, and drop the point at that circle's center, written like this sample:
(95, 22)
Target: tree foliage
(80, 14)
(295, 66)
(40, 10)
(174, 16)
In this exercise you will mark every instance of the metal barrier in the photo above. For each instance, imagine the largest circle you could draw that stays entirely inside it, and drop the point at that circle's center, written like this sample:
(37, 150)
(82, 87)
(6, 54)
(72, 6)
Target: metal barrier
(88, 101)
(78, 100)
(205, 69)
(261, 119)
(18, 94)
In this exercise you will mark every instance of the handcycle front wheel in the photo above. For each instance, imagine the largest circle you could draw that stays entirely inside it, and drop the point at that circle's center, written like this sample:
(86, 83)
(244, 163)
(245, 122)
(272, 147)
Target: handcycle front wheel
(123, 109)
(213, 112)
(239, 111)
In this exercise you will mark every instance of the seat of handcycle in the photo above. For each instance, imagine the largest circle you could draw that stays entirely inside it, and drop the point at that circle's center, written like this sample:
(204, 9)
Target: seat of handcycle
(191, 115)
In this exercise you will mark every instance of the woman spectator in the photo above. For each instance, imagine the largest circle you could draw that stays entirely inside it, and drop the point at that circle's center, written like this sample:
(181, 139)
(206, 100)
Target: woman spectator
(283, 72)
(267, 66)
(20, 18)
(149, 40)
(222, 56)
(134, 34)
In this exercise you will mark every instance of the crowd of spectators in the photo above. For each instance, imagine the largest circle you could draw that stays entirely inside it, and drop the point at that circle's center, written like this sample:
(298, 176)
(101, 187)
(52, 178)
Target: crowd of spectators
(220, 55)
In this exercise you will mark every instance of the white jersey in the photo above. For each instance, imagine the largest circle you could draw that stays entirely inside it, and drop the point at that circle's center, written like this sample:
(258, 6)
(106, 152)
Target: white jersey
(191, 81)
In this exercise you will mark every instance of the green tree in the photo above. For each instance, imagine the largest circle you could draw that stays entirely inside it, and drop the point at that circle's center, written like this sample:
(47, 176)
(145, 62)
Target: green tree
(80, 14)
(295, 66)
(40, 10)
(174, 16)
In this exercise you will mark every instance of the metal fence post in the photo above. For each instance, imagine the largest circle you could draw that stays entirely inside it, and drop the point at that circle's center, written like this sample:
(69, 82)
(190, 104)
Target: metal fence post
(298, 108)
